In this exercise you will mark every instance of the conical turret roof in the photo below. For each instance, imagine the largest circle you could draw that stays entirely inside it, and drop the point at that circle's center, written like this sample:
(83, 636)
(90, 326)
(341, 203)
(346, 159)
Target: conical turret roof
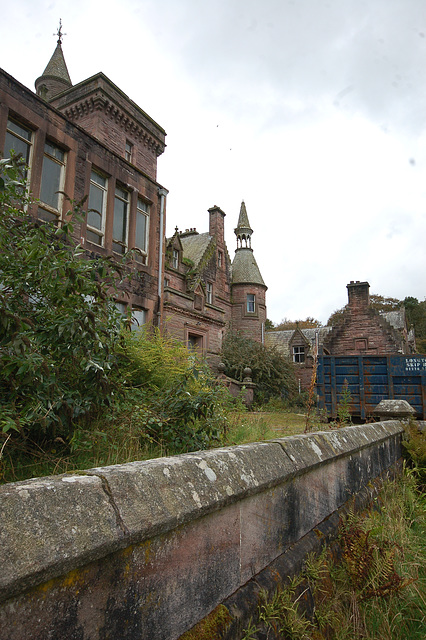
(244, 265)
(55, 77)
(243, 226)
(245, 269)
(57, 67)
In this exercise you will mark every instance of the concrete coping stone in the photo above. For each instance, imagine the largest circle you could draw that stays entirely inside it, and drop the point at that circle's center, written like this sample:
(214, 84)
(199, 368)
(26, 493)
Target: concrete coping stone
(394, 408)
(51, 525)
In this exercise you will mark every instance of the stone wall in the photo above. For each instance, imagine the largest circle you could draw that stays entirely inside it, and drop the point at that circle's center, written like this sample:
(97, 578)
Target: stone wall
(148, 549)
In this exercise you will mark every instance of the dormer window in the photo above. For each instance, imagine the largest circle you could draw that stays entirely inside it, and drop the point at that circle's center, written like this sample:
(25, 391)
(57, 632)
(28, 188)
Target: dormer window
(299, 354)
(175, 259)
(128, 151)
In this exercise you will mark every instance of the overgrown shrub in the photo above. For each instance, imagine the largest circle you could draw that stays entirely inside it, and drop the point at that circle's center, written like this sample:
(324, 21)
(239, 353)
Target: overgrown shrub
(271, 371)
(58, 326)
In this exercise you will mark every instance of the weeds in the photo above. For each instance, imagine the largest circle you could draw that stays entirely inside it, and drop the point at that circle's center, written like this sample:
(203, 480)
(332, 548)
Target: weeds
(370, 583)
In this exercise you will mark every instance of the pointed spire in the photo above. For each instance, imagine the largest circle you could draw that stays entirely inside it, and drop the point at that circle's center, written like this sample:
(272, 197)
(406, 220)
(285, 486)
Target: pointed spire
(243, 230)
(55, 77)
(244, 265)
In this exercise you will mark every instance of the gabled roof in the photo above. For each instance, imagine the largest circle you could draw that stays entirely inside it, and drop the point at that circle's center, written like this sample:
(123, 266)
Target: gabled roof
(282, 339)
(195, 246)
(245, 269)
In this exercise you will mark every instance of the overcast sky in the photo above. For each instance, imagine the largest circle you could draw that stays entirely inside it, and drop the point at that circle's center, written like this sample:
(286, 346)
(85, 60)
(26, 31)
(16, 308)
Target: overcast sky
(312, 111)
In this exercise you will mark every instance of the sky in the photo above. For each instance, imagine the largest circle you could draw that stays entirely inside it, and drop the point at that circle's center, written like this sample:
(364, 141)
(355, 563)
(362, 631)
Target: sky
(311, 111)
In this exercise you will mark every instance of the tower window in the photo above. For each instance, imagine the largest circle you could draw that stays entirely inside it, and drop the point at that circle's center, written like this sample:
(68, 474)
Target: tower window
(251, 303)
(128, 151)
(219, 258)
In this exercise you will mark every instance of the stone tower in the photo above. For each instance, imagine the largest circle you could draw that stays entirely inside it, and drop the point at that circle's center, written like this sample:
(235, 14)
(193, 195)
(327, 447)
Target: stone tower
(248, 287)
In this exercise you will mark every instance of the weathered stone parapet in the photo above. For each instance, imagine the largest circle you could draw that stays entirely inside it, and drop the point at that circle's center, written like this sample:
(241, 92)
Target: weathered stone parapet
(147, 549)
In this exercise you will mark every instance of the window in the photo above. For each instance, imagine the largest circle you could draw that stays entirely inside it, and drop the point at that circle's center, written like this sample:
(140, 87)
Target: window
(195, 342)
(128, 151)
(19, 139)
(121, 307)
(251, 303)
(52, 182)
(119, 229)
(219, 258)
(299, 354)
(166, 282)
(175, 260)
(138, 318)
(209, 293)
(141, 234)
(97, 208)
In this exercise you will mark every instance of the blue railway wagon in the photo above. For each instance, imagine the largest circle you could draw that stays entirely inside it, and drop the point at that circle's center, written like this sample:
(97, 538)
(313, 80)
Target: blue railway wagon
(371, 379)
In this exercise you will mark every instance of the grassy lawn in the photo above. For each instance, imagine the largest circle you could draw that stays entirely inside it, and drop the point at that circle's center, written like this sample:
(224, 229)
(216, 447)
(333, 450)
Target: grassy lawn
(258, 426)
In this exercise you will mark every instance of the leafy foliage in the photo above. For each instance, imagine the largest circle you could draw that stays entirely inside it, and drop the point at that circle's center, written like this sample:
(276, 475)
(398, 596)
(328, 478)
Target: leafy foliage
(58, 326)
(272, 372)
(307, 323)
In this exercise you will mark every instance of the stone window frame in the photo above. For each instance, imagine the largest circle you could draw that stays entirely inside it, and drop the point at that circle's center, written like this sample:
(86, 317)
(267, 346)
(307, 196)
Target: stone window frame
(251, 303)
(128, 151)
(139, 318)
(142, 210)
(53, 156)
(120, 245)
(90, 229)
(29, 142)
(175, 258)
(209, 293)
(298, 353)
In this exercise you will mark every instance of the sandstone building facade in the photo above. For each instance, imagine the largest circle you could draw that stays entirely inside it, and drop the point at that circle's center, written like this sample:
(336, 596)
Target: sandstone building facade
(90, 140)
(205, 293)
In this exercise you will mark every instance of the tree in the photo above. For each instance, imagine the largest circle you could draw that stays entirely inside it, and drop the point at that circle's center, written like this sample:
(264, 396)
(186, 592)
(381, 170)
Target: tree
(58, 325)
(416, 317)
(380, 303)
(308, 323)
(271, 371)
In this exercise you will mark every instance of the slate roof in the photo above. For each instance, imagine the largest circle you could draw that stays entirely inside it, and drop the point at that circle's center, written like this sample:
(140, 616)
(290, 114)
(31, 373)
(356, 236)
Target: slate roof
(281, 339)
(56, 67)
(194, 246)
(243, 225)
(245, 269)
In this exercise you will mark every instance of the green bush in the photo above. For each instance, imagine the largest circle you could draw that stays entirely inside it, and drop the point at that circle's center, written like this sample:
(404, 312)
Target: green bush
(58, 327)
(272, 372)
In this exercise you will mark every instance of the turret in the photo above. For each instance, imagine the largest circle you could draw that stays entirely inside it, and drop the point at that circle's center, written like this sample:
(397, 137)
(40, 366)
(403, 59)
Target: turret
(248, 287)
(55, 77)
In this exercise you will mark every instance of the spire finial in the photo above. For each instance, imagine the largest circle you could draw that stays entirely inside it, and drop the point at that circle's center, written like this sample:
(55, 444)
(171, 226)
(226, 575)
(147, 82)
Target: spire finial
(59, 32)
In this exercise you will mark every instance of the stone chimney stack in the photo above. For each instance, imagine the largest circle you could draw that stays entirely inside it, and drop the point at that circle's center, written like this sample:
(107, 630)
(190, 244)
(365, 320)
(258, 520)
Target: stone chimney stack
(358, 294)
(217, 224)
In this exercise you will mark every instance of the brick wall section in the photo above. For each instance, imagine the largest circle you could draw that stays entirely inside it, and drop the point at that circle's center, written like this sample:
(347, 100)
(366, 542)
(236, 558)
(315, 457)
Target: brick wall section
(362, 331)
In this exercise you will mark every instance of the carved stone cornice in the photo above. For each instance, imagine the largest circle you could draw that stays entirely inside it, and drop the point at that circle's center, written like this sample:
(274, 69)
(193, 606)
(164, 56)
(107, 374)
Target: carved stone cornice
(132, 128)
